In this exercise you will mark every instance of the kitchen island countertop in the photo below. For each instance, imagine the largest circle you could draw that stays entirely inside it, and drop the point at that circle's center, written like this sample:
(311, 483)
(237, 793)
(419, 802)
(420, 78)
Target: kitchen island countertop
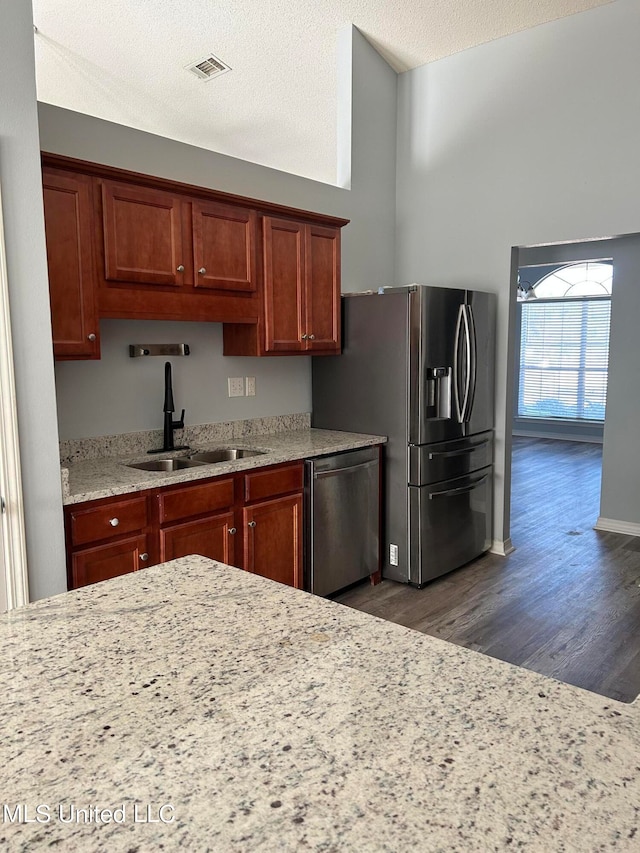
(108, 476)
(209, 709)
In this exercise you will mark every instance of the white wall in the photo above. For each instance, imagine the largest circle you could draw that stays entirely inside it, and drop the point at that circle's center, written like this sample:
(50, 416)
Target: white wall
(119, 394)
(29, 301)
(532, 138)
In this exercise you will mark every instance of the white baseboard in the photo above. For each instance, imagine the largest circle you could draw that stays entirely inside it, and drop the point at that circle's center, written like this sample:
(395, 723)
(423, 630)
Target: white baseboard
(612, 525)
(502, 547)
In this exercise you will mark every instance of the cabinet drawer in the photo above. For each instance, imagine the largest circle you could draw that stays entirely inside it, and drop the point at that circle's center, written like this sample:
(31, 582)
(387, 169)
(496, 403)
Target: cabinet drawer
(275, 481)
(108, 521)
(195, 500)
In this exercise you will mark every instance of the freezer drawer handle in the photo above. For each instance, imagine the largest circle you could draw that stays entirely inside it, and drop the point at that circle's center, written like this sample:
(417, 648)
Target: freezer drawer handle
(319, 475)
(459, 491)
(448, 453)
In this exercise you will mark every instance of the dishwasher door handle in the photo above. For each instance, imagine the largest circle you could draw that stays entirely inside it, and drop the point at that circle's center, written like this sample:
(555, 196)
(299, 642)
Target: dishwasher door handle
(320, 475)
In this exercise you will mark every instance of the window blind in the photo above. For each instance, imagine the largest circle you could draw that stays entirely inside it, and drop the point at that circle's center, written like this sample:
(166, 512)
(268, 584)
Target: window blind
(564, 357)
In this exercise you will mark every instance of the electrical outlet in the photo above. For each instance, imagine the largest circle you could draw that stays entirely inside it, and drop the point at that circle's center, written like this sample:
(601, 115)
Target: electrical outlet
(250, 386)
(393, 555)
(236, 386)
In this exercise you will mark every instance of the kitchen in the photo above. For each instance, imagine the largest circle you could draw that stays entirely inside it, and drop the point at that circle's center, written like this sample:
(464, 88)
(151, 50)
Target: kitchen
(367, 255)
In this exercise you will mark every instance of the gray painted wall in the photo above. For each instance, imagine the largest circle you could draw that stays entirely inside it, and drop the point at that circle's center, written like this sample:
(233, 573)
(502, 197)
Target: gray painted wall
(521, 141)
(119, 394)
(29, 300)
(620, 496)
(98, 397)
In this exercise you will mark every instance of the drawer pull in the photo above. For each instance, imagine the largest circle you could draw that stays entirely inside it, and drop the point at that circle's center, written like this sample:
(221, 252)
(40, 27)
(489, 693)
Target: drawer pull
(114, 522)
(252, 524)
(232, 530)
(144, 557)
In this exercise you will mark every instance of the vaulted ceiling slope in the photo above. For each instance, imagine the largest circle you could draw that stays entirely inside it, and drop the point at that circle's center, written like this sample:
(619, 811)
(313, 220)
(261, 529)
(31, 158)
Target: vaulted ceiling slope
(125, 62)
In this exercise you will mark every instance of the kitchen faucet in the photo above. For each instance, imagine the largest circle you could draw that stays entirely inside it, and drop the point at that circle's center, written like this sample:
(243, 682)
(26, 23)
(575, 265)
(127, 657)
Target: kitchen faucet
(169, 409)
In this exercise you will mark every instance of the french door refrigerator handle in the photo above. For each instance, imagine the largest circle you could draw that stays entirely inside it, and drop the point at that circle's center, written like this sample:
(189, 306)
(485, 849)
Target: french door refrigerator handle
(460, 490)
(456, 364)
(470, 340)
(462, 452)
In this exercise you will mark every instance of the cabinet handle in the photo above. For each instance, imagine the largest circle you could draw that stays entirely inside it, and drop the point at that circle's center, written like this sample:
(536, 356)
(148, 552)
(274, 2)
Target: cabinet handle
(144, 557)
(304, 337)
(202, 270)
(114, 522)
(312, 337)
(91, 337)
(252, 524)
(232, 530)
(180, 268)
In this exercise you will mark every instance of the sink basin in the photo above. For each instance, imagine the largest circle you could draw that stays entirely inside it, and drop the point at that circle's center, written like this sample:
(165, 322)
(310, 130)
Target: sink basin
(224, 454)
(165, 464)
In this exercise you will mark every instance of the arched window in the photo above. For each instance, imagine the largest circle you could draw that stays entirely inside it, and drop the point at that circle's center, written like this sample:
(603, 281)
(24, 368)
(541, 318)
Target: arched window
(564, 343)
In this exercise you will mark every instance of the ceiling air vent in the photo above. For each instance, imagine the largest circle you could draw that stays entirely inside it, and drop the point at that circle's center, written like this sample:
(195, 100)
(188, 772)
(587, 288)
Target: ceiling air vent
(207, 67)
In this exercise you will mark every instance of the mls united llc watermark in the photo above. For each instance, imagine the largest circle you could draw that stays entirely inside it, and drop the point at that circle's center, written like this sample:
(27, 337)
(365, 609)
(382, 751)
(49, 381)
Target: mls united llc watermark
(71, 813)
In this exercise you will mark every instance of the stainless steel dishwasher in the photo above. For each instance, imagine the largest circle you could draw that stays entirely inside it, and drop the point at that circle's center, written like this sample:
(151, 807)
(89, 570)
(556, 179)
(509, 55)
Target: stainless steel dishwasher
(342, 542)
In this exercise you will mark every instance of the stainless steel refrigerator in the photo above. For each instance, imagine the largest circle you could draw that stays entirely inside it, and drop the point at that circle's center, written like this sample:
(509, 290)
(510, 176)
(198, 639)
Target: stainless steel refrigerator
(418, 366)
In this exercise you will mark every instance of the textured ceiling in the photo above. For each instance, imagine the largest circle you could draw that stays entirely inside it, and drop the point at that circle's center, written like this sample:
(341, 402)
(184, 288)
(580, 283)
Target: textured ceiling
(123, 60)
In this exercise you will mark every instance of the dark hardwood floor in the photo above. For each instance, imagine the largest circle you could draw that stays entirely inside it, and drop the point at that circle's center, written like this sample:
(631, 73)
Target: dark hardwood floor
(565, 604)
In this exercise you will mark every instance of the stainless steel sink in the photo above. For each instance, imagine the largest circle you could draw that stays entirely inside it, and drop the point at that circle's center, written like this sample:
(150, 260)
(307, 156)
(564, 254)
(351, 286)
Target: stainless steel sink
(165, 464)
(224, 454)
(195, 460)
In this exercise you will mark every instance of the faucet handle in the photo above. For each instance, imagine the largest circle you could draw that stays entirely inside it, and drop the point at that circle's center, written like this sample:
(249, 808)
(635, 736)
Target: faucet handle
(179, 424)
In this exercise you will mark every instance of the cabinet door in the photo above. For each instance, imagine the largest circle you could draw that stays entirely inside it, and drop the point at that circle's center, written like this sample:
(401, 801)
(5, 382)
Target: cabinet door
(224, 239)
(143, 236)
(109, 561)
(273, 539)
(212, 537)
(67, 218)
(322, 288)
(283, 247)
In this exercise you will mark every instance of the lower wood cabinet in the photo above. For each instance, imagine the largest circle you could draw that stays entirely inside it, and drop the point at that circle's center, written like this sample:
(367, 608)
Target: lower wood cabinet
(273, 539)
(252, 520)
(108, 561)
(213, 537)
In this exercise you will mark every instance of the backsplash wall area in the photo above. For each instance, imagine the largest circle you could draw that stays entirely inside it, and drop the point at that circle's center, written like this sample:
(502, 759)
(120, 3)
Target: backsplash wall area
(120, 394)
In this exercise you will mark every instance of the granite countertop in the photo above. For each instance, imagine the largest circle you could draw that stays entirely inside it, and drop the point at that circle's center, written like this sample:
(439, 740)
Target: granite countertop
(100, 478)
(210, 709)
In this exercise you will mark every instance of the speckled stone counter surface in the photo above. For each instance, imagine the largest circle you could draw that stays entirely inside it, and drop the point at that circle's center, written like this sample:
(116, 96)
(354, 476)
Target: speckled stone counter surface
(91, 479)
(210, 709)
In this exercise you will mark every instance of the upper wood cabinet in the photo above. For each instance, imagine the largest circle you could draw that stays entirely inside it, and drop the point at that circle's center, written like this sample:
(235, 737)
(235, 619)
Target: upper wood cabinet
(72, 281)
(301, 268)
(130, 246)
(224, 247)
(143, 235)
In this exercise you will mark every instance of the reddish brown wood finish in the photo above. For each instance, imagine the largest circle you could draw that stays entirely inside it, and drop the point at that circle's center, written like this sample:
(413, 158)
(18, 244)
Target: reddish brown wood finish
(108, 561)
(142, 235)
(322, 288)
(224, 247)
(90, 523)
(301, 287)
(139, 231)
(99, 170)
(212, 537)
(72, 280)
(193, 518)
(284, 280)
(273, 481)
(195, 499)
(273, 539)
